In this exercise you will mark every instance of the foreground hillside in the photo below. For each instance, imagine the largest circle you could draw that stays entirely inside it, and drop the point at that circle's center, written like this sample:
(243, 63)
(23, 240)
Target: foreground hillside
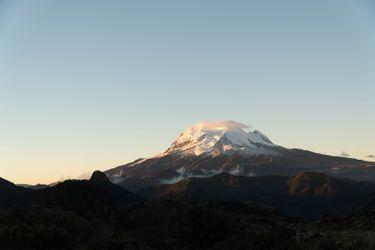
(96, 214)
(181, 224)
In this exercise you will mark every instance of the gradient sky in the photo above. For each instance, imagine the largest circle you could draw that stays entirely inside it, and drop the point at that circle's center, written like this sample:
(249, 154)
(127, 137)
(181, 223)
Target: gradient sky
(90, 85)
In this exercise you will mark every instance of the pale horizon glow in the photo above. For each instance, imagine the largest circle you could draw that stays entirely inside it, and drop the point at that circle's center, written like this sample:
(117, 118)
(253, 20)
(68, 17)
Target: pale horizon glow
(88, 85)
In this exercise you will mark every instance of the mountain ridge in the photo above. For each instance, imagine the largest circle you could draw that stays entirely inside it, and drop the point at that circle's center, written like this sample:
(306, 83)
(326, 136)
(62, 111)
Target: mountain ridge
(97, 195)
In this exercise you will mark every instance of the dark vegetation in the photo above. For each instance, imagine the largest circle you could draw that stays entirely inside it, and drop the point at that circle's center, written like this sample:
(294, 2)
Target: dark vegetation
(97, 214)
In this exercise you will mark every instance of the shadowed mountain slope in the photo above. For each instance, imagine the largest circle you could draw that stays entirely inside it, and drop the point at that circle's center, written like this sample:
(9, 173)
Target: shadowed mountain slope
(96, 195)
(309, 195)
(11, 195)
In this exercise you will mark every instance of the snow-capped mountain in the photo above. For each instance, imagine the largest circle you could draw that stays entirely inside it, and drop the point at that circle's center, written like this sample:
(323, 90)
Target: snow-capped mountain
(221, 137)
(208, 148)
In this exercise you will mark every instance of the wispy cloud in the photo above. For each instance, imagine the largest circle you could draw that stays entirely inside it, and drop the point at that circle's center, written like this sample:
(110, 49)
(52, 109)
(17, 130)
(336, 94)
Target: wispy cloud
(371, 156)
(84, 176)
(345, 154)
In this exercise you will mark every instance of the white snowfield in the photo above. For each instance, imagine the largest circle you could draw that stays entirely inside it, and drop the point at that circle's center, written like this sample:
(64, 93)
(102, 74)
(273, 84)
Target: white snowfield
(221, 137)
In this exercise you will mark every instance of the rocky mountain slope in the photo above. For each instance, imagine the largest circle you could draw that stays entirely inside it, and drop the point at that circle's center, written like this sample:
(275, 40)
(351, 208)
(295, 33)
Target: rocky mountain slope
(209, 148)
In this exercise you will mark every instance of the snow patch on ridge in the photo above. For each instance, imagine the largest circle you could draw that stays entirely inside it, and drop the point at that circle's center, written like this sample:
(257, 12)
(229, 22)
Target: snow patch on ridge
(184, 174)
(236, 171)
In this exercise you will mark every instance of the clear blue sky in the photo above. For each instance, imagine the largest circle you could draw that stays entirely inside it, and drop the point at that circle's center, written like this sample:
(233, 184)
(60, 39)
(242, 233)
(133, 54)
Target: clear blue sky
(93, 84)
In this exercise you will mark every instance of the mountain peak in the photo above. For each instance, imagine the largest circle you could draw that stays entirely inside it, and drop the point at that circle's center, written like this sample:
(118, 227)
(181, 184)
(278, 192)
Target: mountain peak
(99, 177)
(216, 137)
